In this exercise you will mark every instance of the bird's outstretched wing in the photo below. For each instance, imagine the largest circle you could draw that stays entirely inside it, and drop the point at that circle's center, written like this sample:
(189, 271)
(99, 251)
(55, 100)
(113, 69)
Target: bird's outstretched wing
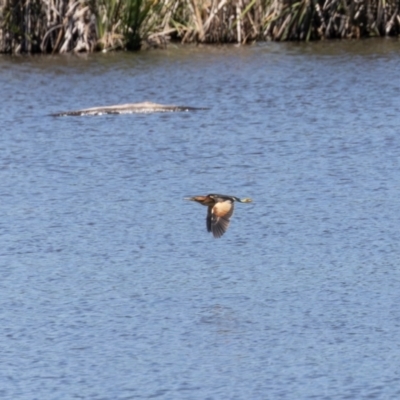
(218, 217)
(208, 219)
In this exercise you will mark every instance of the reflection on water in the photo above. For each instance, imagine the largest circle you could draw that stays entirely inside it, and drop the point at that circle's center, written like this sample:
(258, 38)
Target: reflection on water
(111, 286)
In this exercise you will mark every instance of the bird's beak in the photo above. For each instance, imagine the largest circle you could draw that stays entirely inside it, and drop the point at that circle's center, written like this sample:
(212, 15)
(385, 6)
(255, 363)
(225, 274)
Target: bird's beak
(189, 198)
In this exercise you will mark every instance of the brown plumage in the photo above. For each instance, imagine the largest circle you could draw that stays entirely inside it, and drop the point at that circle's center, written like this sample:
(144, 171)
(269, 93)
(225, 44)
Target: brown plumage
(219, 212)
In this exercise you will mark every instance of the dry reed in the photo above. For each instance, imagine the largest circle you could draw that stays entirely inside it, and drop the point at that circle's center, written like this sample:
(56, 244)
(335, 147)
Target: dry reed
(88, 25)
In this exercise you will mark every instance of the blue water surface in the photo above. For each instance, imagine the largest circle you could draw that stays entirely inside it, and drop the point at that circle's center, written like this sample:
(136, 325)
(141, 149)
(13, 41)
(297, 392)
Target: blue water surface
(110, 285)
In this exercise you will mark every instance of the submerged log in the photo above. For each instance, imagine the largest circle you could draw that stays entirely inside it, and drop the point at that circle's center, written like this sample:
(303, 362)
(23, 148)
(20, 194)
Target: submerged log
(146, 107)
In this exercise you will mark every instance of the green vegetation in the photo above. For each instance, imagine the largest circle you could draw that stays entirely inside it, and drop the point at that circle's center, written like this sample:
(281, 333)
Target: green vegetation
(50, 26)
(124, 23)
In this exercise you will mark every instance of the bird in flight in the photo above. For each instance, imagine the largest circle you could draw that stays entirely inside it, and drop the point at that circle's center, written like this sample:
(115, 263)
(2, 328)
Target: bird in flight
(219, 212)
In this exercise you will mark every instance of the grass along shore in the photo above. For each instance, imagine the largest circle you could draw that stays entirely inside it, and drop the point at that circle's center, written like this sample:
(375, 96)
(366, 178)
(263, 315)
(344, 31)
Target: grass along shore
(60, 26)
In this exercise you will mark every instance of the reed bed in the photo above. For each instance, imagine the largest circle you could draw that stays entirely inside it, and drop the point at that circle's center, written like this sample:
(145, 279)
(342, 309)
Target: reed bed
(33, 26)
(331, 19)
(50, 26)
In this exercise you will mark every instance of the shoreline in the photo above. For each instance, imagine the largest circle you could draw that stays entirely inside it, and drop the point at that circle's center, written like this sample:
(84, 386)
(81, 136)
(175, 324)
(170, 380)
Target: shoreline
(111, 25)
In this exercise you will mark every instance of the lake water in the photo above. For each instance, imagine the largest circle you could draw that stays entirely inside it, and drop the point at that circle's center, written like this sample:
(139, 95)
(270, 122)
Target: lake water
(110, 285)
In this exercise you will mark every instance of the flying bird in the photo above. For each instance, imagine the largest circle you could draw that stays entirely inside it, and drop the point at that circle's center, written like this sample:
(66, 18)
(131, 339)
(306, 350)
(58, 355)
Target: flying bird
(219, 212)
